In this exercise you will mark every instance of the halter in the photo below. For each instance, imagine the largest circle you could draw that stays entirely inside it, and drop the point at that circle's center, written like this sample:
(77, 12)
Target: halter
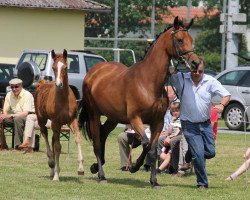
(180, 54)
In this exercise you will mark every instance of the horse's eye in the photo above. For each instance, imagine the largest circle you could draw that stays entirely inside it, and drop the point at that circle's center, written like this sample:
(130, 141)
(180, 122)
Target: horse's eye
(180, 41)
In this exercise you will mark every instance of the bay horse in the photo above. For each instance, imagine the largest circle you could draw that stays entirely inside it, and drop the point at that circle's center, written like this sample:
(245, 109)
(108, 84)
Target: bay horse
(56, 101)
(134, 95)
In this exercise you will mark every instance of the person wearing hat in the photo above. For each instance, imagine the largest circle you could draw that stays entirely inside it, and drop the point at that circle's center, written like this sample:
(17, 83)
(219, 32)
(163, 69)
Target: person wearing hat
(17, 105)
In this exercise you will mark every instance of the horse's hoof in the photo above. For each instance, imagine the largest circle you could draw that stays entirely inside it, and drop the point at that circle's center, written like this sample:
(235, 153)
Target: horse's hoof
(104, 181)
(81, 173)
(133, 169)
(156, 186)
(94, 168)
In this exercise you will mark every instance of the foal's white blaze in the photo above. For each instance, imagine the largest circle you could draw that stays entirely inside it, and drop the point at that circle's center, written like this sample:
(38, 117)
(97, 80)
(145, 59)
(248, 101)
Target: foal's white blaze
(59, 69)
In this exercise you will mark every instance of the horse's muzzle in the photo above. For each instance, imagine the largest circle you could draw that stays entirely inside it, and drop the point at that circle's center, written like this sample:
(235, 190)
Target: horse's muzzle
(59, 86)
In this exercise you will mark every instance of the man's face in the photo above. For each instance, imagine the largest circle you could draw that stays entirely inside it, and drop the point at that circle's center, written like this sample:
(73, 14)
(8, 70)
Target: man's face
(16, 89)
(197, 74)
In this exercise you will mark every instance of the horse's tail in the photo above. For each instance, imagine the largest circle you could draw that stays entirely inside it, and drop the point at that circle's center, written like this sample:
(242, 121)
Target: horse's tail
(83, 120)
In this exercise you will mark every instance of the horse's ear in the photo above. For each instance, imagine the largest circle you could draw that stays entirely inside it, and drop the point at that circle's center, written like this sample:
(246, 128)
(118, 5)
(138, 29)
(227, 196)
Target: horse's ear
(176, 23)
(53, 55)
(65, 53)
(190, 24)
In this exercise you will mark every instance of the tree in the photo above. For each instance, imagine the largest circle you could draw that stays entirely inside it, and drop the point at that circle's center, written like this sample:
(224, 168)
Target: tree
(133, 14)
(134, 17)
(208, 42)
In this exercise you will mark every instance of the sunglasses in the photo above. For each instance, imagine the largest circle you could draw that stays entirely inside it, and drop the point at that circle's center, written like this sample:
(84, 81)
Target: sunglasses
(14, 87)
(197, 71)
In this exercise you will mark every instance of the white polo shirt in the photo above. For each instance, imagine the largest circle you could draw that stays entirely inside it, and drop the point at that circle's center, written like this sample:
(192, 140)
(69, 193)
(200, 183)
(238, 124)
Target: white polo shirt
(24, 102)
(196, 101)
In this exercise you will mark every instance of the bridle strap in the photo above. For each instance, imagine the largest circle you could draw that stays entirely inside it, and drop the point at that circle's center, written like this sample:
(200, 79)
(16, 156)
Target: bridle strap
(176, 45)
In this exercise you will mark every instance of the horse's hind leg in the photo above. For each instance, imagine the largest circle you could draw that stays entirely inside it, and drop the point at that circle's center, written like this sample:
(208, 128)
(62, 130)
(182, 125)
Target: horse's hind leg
(56, 149)
(76, 132)
(50, 154)
(94, 126)
(105, 130)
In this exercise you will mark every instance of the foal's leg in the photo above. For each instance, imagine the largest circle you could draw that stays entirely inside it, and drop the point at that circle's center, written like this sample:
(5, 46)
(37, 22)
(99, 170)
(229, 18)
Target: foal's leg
(50, 154)
(75, 129)
(56, 149)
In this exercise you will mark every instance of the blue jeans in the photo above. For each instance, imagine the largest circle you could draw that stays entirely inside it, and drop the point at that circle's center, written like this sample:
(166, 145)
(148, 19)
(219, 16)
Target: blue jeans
(200, 139)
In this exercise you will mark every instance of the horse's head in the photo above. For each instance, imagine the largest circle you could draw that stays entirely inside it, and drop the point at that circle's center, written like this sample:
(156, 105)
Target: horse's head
(182, 44)
(59, 67)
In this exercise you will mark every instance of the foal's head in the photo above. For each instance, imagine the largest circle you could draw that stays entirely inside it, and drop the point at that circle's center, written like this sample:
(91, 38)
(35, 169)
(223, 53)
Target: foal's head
(60, 67)
(181, 47)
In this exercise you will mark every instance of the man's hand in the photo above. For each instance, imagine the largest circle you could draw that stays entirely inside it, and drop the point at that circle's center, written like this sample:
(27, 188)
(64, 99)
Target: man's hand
(219, 108)
(3, 116)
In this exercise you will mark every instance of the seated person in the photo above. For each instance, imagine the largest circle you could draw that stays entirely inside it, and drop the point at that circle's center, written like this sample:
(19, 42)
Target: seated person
(125, 140)
(18, 103)
(29, 131)
(244, 167)
(173, 131)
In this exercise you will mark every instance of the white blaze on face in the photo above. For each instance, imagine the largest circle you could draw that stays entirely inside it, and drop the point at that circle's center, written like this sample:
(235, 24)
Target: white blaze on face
(59, 69)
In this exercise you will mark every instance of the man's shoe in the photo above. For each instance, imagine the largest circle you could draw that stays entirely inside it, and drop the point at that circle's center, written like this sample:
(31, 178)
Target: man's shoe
(202, 187)
(125, 169)
(25, 145)
(178, 174)
(185, 166)
(28, 150)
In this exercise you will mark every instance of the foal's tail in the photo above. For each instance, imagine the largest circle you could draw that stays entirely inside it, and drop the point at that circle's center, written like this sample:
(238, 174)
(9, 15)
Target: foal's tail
(83, 120)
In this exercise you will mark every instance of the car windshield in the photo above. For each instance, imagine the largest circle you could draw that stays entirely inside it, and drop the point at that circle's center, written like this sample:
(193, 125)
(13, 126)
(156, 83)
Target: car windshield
(232, 77)
(39, 58)
(6, 72)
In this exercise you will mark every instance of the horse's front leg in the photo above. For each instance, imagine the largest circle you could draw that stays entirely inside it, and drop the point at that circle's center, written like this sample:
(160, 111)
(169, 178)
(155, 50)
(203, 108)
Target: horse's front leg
(139, 162)
(76, 132)
(51, 162)
(56, 149)
(156, 130)
(153, 157)
(139, 128)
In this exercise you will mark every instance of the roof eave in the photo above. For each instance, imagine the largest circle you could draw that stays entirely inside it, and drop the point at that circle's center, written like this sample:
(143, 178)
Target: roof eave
(108, 10)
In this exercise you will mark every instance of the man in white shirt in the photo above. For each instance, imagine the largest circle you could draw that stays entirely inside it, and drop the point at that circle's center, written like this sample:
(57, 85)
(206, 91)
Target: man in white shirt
(195, 90)
(17, 105)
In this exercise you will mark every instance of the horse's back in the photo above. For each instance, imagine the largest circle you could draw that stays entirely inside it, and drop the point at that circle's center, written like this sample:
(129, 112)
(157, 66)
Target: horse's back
(105, 71)
(104, 85)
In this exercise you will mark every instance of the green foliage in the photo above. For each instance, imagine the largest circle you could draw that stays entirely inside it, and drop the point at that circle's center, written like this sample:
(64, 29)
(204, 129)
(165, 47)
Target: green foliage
(132, 16)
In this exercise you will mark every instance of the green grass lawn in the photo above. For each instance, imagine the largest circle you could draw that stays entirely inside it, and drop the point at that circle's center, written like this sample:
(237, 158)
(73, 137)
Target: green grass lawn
(26, 176)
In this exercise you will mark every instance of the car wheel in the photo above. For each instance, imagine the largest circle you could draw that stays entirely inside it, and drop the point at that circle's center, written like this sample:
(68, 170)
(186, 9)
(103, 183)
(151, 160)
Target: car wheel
(234, 117)
(29, 72)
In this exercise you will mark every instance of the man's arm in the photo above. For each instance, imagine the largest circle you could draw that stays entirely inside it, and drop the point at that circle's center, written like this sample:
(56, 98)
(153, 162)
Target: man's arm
(224, 101)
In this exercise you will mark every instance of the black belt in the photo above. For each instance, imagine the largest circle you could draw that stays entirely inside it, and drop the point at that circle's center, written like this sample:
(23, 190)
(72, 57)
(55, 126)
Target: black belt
(207, 121)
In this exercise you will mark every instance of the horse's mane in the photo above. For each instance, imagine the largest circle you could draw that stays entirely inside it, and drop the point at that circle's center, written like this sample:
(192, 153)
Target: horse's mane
(181, 24)
(40, 83)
